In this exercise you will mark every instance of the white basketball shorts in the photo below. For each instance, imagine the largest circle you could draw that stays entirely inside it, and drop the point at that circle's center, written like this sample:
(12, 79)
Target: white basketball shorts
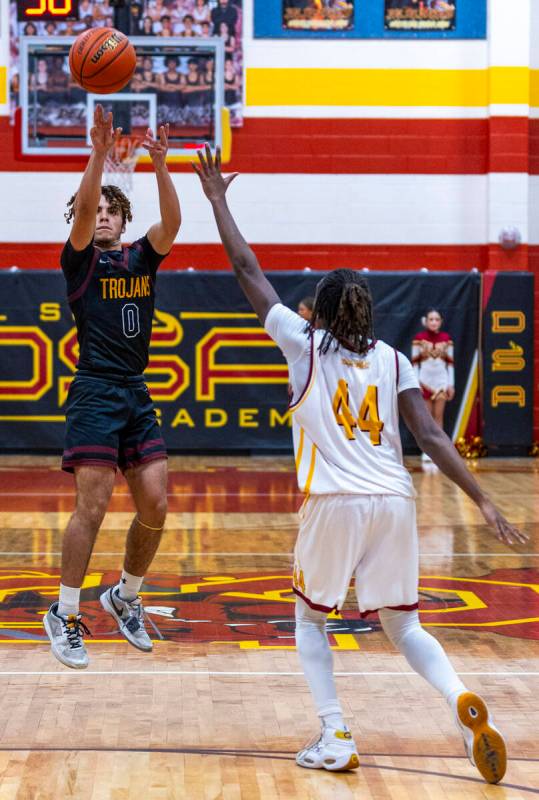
(372, 538)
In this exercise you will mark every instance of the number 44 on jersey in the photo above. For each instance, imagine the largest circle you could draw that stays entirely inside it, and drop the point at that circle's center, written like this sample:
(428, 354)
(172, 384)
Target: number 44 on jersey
(368, 419)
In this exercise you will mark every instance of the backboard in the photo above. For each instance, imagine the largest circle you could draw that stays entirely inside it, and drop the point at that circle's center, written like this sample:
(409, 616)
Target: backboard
(176, 81)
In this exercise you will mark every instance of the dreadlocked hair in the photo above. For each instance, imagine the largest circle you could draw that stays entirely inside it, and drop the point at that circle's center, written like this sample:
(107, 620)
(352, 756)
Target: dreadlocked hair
(343, 306)
(116, 200)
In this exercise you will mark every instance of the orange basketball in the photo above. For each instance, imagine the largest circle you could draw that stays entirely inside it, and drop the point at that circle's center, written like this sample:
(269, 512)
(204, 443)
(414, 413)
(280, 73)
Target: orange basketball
(102, 60)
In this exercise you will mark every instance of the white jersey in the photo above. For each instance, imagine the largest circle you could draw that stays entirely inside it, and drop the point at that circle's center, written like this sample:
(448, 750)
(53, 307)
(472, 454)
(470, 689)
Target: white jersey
(345, 412)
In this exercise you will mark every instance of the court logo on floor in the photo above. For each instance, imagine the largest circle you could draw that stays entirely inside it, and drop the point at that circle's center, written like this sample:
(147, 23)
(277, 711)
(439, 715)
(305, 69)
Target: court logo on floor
(256, 611)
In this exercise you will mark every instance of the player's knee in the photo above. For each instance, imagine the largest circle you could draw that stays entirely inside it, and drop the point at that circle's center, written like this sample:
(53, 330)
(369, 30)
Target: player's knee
(307, 616)
(399, 625)
(154, 512)
(91, 513)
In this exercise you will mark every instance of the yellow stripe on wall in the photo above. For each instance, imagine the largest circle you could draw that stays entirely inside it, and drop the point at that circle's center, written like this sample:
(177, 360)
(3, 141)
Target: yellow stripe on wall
(388, 87)
(3, 84)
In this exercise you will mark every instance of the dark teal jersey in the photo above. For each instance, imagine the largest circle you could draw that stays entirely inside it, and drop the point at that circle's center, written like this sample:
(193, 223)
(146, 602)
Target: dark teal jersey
(112, 294)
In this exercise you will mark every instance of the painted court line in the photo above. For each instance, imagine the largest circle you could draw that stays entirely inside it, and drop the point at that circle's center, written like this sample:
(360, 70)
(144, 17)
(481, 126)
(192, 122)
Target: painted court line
(243, 673)
(266, 555)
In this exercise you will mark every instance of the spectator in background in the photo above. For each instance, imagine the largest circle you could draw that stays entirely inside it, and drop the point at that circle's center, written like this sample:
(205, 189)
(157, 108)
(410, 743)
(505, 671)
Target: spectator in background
(166, 26)
(149, 77)
(232, 85)
(205, 30)
(39, 79)
(224, 12)
(157, 9)
(102, 11)
(229, 39)
(305, 308)
(58, 76)
(147, 27)
(188, 26)
(51, 29)
(171, 80)
(201, 12)
(86, 9)
(30, 29)
(69, 28)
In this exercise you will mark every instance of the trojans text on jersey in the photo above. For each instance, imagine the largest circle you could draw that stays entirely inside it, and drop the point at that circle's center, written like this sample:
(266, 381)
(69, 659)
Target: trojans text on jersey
(118, 288)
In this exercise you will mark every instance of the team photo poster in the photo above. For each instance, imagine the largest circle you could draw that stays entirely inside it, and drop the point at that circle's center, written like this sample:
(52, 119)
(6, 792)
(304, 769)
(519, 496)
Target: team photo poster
(318, 15)
(420, 15)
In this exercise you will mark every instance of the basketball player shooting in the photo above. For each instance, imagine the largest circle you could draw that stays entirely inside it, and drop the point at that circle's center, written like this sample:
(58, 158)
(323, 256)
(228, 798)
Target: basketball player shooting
(110, 418)
(359, 516)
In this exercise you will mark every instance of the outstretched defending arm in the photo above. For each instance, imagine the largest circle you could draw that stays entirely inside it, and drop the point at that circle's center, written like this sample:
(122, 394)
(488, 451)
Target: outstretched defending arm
(103, 137)
(435, 442)
(163, 233)
(256, 287)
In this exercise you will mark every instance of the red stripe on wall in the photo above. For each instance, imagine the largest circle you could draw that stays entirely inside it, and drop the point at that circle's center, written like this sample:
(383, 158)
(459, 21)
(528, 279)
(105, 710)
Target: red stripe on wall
(345, 146)
(35, 255)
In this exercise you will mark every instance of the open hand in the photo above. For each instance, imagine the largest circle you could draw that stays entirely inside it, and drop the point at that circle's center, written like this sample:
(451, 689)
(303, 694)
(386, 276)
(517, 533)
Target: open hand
(209, 172)
(502, 529)
(102, 134)
(157, 148)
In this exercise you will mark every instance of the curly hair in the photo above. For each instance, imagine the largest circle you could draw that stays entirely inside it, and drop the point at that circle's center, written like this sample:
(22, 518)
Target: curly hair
(343, 306)
(116, 199)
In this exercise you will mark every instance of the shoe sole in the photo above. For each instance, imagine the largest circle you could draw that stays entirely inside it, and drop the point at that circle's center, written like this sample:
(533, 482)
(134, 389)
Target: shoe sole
(55, 653)
(109, 608)
(489, 751)
(352, 763)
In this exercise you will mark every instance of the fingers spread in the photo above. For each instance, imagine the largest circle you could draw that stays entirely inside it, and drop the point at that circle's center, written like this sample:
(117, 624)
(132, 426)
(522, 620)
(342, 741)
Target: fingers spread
(209, 157)
(202, 160)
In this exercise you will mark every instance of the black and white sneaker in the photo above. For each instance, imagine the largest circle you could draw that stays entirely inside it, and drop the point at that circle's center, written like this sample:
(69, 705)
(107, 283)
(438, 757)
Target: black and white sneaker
(66, 635)
(129, 615)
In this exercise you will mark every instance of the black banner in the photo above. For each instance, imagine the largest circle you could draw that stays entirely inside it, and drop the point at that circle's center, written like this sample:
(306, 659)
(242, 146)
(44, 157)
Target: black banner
(508, 314)
(218, 382)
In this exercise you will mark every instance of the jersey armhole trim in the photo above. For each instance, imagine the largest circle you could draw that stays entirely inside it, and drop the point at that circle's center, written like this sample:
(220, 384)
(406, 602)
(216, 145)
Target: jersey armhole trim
(82, 288)
(397, 365)
(310, 379)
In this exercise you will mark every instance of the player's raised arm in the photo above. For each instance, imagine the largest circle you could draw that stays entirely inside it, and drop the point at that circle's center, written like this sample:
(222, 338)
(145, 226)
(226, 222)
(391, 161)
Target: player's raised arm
(435, 442)
(103, 136)
(163, 233)
(258, 290)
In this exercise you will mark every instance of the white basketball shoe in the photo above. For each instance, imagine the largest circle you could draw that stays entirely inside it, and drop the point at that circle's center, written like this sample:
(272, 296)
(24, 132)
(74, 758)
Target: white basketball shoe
(66, 635)
(334, 750)
(483, 742)
(129, 616)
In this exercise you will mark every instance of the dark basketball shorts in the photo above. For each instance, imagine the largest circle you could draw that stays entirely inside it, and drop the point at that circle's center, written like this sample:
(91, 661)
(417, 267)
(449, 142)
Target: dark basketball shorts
(110, 422)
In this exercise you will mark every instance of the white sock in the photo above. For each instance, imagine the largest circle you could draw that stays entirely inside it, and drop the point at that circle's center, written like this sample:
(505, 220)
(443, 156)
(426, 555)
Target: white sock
(68, 601)
(423, 652)
(129, 586)
(317, 662)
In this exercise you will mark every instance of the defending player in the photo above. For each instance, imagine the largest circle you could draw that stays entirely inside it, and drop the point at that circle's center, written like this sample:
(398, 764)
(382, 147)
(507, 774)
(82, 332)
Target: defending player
(359, 515)
(110, 419)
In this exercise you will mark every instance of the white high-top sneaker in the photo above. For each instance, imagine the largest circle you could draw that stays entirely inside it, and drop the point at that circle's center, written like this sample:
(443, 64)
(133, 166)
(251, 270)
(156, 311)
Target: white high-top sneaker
(66, 635)
(483, 742)
(334, 750)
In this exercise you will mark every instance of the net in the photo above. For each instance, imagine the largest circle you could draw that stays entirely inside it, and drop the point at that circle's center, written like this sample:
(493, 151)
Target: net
(121, 161)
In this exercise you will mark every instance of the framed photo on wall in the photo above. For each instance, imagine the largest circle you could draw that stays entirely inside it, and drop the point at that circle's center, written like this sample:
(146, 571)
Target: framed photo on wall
(318, 15)
(420, 15)
(370, 19)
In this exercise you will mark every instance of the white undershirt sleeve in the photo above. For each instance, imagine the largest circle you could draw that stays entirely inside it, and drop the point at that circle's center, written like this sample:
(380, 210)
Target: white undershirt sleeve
(288, 331)
(407, 375)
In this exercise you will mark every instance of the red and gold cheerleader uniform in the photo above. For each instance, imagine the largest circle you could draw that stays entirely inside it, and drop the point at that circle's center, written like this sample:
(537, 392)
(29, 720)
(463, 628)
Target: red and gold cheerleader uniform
(432, 357)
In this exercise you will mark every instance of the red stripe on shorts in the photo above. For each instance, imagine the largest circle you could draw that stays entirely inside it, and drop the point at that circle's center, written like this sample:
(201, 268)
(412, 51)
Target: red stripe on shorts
(314, 606)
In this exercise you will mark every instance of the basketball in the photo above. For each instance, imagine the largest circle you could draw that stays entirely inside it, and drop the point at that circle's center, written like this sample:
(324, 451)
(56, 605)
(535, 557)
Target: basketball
(102, 60)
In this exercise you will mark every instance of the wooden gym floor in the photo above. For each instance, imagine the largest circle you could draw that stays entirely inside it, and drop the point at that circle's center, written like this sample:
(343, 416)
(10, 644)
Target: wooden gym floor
(220, 707)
